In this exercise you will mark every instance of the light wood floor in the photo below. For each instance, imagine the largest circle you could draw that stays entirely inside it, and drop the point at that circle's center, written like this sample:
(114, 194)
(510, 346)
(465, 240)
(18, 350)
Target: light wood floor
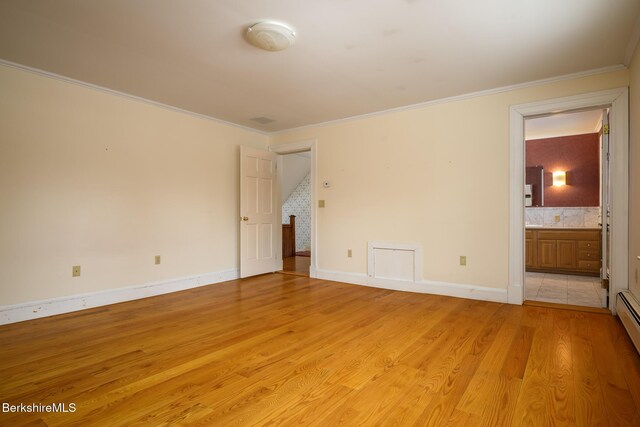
(296, 264)
(288, 350)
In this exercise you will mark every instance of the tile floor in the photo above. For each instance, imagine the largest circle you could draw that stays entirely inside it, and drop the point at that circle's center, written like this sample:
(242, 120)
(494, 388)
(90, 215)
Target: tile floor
(563, 289)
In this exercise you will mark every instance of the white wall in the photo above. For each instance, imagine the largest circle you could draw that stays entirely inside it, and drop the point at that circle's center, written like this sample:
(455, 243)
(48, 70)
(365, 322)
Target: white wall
(437, 175)
(294, 168)
(634, 171)
(106, 182)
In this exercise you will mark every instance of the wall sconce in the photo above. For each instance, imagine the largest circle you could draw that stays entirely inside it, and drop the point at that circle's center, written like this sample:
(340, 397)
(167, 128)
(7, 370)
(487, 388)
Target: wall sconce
(559, 178)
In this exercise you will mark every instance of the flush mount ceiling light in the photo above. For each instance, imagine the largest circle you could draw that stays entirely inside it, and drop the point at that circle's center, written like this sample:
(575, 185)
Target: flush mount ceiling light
(272, 36)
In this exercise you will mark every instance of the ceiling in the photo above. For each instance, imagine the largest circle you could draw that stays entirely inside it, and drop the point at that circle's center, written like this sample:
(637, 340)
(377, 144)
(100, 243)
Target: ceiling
(351, 57)
(564, 124)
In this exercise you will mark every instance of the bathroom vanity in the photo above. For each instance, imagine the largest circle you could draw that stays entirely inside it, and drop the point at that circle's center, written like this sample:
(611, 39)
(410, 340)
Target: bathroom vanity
(563, 250)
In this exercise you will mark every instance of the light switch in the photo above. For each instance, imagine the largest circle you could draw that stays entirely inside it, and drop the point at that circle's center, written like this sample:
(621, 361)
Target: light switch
(321, 203)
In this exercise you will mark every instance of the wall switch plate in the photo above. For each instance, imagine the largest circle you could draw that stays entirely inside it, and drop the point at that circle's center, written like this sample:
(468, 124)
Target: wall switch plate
(158, 259)
(556, 218)
(75, 271)
(463, 260)
(349, 253)
(321, 203)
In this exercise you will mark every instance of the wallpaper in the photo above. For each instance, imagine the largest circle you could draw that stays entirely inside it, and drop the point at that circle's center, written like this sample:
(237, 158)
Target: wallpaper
(299, 204)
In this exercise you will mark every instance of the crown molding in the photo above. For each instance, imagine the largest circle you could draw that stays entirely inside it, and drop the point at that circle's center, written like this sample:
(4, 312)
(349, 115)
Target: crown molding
(462, 97)
(330, 122)
(125, 95)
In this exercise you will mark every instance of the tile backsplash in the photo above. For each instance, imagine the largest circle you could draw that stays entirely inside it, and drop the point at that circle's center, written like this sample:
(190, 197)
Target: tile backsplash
(569, 217)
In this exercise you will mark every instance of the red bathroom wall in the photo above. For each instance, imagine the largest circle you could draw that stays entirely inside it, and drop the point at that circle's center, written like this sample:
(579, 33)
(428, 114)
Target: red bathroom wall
(579, 156)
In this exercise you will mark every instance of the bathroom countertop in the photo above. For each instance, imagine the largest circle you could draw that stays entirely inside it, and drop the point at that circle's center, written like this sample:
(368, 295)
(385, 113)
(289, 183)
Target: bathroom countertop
(535, 227)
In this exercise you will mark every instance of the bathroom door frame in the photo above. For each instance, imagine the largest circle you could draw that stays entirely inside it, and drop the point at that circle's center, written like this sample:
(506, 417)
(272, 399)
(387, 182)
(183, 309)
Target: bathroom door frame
(618, 100)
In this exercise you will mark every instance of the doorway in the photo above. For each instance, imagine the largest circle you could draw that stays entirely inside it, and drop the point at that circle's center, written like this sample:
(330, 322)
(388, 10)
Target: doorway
(618, 101)
(295, 190)
(308, 260)
(566, 178)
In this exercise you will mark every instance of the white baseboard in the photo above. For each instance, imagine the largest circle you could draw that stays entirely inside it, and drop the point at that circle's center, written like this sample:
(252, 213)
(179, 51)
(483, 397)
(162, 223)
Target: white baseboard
(53, 306)
(482, 293)
(341, 276)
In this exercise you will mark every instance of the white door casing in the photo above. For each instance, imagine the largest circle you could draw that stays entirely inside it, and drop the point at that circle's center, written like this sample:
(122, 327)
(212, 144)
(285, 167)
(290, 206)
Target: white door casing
(298, 147)
(605, 206)
(618, 99)
(258, 213)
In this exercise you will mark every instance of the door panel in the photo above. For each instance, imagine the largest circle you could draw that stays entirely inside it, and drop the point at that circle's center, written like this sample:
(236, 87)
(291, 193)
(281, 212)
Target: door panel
(530, 253)
(566, 254)
(258, 222)
(267, 195)
(547, 254)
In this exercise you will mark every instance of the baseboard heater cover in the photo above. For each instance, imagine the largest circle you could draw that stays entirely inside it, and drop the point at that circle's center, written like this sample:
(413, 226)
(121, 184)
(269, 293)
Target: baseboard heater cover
(629, 313)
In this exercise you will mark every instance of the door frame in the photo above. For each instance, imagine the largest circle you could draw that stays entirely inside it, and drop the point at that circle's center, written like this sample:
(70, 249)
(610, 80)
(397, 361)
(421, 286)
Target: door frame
(292, 148)
(618, 100)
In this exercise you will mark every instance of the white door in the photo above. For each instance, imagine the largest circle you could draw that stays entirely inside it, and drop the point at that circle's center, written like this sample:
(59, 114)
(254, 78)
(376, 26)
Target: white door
(258, 209)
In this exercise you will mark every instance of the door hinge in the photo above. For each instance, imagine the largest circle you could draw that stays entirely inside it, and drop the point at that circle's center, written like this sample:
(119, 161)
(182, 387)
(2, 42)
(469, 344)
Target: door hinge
(605, 129)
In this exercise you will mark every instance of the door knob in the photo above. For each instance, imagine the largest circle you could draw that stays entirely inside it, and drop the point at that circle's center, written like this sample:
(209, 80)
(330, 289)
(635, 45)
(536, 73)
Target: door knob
(245, 218)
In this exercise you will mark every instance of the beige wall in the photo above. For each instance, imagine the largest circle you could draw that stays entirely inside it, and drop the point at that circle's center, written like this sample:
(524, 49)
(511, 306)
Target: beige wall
(99, 180)
(437, 175)
(634, 172)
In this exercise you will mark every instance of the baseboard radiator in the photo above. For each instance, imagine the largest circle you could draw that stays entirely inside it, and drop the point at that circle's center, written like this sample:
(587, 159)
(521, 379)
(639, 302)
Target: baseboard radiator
(629, 313)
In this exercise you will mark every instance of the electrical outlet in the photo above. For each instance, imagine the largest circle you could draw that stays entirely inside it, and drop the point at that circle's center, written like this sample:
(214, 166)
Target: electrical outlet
(75, 271)
(158, 259)
(321, 203)
(463, 260)
(349, 253)
(556, 218)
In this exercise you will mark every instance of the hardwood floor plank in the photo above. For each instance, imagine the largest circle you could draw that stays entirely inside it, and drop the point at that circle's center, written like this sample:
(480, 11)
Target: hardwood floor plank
(532, 407)
(619, 404)
(627, 356)
(590, 408)
(289, 350)
(515, 365)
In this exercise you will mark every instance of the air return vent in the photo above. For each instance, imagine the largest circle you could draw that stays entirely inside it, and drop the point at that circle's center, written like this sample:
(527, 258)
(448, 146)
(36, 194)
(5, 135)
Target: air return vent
(394, 262)
(262, 120)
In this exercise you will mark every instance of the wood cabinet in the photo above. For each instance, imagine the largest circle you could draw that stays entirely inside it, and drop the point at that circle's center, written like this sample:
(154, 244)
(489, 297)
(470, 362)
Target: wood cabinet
(531, 253)
(569, 251)
(547, 254)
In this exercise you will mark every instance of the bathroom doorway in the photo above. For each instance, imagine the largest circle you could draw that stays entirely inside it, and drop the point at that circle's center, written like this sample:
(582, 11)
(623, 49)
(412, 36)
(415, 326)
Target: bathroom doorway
(566, 199)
